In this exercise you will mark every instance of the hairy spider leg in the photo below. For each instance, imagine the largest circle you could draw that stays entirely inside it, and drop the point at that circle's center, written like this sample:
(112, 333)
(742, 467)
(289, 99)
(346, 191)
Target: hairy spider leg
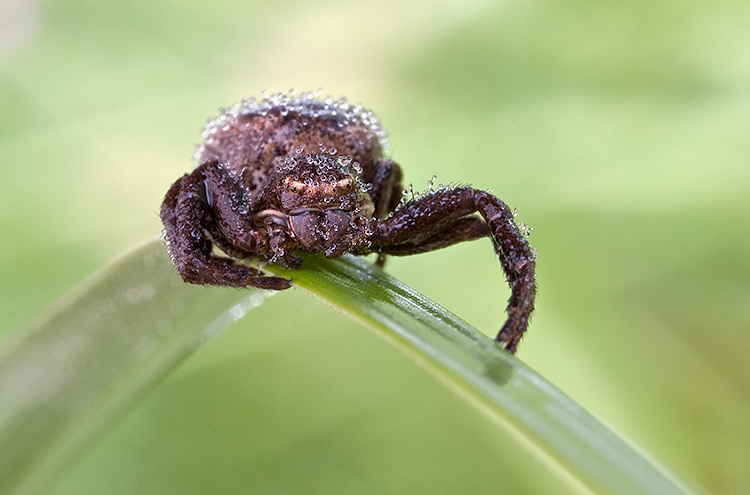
(447, 217)
(186, 213)
(467, 228)
(385, 191)
(234, 233)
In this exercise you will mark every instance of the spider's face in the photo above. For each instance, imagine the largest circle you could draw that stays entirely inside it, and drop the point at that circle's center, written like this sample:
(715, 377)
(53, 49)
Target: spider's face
(326, 206)
(331, 192)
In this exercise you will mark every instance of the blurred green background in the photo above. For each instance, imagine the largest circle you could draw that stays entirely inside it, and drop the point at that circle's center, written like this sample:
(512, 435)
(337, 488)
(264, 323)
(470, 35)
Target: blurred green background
(619, 130)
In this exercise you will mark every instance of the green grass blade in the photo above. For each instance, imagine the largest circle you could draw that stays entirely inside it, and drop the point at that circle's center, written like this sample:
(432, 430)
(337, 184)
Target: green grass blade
(565, 437)
(66, 379)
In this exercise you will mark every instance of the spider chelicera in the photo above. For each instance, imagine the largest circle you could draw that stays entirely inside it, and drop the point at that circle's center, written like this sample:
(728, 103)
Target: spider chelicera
(300, 173)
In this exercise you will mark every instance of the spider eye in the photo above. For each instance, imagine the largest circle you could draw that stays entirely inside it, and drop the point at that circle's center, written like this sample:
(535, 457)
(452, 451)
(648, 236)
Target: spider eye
(345, 184)
(295, 186)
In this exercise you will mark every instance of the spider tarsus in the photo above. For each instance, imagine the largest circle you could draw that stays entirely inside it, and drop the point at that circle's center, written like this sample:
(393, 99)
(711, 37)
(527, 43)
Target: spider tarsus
(380, 262)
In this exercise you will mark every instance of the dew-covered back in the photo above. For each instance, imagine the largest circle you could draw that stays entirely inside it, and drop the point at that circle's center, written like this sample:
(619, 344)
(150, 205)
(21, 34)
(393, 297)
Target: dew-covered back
(250, 137)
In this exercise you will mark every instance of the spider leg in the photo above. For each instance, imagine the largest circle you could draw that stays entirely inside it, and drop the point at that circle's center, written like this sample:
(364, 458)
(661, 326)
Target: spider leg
(187, 217)
(448, 216)
(385, 191)
(231, 231)
(464, 229)
(519, 264)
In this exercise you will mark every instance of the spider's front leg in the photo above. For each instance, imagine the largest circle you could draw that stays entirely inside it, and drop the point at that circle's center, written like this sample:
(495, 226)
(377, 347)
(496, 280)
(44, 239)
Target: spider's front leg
(192, 225)
(448, 217)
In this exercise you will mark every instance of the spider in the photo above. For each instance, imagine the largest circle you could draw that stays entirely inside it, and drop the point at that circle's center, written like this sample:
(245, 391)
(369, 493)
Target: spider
(298, 173)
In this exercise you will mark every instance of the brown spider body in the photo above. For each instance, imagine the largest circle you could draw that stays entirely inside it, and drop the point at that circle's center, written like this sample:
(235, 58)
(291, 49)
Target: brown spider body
(302, 174)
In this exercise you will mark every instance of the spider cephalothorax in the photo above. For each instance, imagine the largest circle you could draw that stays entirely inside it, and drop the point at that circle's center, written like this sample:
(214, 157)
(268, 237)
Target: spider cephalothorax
(320, 200)
(298, 173)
